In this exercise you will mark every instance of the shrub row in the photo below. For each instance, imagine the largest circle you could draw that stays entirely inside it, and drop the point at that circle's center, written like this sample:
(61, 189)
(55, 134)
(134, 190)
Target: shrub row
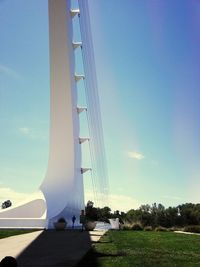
(192, 228)
(139, 227)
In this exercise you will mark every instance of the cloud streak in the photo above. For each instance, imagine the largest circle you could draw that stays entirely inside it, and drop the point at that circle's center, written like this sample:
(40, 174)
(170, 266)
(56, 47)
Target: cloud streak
(30, 133)
(135, 155)
(117, 202)
(172, 197)
(15, 197)
(4, 70)
(24, 130)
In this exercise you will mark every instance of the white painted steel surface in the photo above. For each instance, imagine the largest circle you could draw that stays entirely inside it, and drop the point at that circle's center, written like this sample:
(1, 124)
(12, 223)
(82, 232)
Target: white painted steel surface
(114, 223)
(63, 185)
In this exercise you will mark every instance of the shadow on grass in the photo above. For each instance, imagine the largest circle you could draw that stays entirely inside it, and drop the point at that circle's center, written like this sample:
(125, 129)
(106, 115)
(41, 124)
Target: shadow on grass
(101, 242)
(56, 249)
(91, 258)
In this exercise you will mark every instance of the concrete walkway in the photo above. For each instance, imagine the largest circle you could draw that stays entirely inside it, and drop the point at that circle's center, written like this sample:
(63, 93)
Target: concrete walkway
(186, 233)
(49, 248)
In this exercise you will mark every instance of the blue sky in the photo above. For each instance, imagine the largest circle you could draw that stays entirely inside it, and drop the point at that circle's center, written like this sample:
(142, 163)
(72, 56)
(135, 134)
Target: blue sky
(147, 62)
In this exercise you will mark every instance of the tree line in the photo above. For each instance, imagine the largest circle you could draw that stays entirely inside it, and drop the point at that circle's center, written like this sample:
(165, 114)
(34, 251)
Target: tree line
(150, 215)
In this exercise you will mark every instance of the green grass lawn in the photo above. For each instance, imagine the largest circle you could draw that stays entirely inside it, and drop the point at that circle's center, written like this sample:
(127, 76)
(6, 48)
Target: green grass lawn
(139, 248)
(6, 233)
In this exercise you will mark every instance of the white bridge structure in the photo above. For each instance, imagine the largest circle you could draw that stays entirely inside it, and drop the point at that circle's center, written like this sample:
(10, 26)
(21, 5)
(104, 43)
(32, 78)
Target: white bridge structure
(61, 193)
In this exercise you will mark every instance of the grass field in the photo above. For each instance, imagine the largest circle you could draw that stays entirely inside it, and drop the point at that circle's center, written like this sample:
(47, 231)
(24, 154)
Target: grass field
(7, 233)
(145, 249)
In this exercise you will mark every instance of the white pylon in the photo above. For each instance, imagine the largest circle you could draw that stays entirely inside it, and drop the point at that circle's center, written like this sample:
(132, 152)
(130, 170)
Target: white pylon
(61, 193)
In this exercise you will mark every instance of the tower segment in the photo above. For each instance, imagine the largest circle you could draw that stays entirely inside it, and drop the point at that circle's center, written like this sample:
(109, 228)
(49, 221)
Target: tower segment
(61, 193)
(63, 184)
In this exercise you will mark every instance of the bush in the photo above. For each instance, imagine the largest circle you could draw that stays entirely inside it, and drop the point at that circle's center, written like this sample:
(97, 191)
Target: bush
(132, 226)
(136, 227)
(148, 228)
(126, 226)
(6, 204)
(192, 228)
(161, 229)
(61, 220)
(174, 228)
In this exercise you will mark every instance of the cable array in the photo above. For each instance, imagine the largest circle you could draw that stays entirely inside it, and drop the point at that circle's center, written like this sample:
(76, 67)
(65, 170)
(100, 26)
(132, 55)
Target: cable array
(96, 143)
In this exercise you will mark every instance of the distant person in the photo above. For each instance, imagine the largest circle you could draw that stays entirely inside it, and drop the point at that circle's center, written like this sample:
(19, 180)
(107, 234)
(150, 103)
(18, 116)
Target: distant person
(8, 261)
(73, 221)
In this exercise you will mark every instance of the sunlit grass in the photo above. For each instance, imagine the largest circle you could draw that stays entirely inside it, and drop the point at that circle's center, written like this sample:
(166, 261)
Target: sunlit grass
(6, 233)
(146, 249)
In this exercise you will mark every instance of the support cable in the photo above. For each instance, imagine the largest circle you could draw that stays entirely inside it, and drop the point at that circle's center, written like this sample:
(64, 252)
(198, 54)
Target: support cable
(94, 117)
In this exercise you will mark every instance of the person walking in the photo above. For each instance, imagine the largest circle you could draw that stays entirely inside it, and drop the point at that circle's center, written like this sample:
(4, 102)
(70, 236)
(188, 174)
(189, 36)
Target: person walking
(73, 220)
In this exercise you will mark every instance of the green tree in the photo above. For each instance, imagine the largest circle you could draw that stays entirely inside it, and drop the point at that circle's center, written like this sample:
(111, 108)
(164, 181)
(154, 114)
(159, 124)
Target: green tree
(91, 211)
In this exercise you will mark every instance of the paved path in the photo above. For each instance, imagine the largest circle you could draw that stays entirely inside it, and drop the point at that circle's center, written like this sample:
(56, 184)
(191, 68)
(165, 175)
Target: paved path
(49, 248)
(186, 233)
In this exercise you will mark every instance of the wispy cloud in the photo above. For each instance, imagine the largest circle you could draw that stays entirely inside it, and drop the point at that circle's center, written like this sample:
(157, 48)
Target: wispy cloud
(117, 202)
(154, 163)
(15, 197)
(18, 197)
(24, 130)
(32, 134)
(4, 70)
(172, 197)
(135, 155)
